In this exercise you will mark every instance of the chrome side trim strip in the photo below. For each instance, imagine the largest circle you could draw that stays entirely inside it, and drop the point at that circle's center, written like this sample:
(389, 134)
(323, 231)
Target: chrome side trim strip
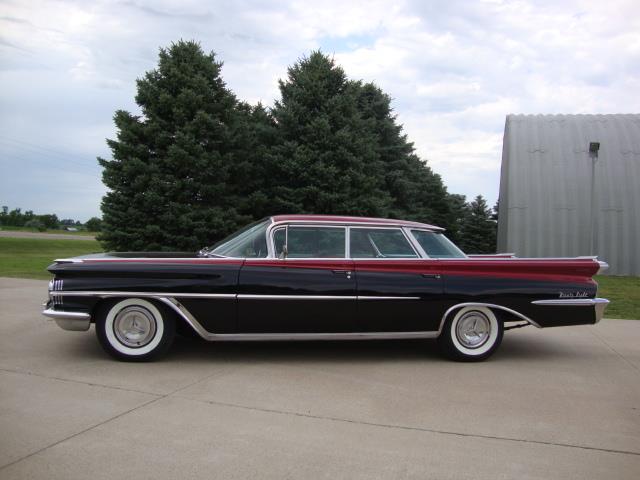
(488, 305)
(572, 302)
(186, 315)
(364, 297)
(104, 294)
(600, 304)
(74, 321)
(244, 337)
(242, 296)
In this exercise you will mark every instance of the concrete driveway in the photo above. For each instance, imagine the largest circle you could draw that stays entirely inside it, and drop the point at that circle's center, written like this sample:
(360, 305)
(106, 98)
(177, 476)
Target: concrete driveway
(558, 403)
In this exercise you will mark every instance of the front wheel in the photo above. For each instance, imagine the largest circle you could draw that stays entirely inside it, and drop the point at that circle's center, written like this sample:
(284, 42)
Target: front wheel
(471, 334)
(134, 329)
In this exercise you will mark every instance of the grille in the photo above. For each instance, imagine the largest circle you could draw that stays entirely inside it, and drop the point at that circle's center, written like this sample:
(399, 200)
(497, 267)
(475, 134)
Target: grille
(56, 286)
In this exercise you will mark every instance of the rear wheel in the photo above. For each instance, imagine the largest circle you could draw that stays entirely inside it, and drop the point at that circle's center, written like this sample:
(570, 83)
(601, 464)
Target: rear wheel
(471, 334)
(134, 329)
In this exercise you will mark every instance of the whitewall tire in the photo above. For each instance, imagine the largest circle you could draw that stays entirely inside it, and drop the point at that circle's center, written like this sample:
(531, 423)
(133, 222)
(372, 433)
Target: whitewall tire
(134, 329)
(471, 334)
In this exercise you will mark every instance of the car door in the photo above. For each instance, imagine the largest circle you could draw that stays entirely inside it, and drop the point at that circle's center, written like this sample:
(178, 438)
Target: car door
(309, 289)
(398, 291)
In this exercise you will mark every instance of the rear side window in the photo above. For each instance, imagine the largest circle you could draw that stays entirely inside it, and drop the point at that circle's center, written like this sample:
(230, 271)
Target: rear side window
(311, 242)
(436, 245)
(380, 243)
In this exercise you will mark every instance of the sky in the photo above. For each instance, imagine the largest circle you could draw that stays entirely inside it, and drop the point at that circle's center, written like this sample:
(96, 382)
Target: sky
(454, 70)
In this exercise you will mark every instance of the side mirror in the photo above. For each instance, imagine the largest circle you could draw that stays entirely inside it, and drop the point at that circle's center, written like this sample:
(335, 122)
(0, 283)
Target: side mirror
(284, 252)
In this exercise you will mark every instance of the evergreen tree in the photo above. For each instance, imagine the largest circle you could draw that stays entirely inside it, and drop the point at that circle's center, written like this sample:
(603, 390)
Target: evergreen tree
(325, 158)
(94, 224)
(459, 209)
(170, 178)
(416, 192)
(478, 230)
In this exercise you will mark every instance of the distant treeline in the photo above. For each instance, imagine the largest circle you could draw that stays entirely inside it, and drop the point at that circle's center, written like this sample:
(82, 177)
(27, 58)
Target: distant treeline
(199, 163)
(49, 221)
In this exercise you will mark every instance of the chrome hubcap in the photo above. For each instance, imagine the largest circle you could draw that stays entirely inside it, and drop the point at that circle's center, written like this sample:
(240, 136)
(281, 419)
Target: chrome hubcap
(134, 326)
(473, 329)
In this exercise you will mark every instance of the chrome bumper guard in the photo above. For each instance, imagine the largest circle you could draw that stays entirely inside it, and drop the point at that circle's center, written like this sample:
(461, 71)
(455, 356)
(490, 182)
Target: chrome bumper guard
(73, 321)
(599, 303)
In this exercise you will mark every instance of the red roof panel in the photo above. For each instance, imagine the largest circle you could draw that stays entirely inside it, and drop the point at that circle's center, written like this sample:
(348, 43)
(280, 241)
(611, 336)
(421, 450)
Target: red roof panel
(347, 219)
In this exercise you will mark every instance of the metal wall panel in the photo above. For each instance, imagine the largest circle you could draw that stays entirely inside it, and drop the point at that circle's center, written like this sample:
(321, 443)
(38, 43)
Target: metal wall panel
(545, 188)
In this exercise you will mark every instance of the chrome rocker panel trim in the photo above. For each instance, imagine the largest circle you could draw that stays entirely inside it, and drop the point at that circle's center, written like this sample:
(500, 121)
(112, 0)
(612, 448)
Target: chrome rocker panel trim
(600, 304)
(72, 321)
(242, 337)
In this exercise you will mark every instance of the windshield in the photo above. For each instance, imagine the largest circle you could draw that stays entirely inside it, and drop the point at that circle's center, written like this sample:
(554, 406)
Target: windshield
(436, 245)
(249, 242)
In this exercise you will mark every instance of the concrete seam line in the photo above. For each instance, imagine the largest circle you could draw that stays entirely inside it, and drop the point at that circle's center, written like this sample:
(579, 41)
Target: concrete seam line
(115, 417)
(60, 379)
(2, 467)
(406, 427)
(614, 350)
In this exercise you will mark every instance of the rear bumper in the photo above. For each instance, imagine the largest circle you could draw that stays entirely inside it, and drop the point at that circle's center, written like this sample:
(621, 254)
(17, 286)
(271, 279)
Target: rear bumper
(74, 321)
(599, 304)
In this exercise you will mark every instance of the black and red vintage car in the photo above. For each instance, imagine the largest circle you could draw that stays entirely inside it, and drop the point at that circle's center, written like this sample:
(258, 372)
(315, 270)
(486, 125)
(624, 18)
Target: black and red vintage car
(312, 277)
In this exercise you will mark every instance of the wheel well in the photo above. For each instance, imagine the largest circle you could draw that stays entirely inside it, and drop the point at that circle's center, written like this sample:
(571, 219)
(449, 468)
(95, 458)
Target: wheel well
(501, 314)
(104, 303)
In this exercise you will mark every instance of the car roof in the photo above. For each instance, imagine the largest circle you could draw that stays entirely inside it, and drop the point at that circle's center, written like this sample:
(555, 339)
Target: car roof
(352, 220)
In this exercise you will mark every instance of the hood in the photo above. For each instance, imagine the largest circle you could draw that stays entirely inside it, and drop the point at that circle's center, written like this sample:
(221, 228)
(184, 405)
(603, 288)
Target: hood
(135, 255)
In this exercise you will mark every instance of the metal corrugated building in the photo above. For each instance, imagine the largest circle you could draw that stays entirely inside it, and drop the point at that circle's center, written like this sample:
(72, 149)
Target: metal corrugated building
(545, 188)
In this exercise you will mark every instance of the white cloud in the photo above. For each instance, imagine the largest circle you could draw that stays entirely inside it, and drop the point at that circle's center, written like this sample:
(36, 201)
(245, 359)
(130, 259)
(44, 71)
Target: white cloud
(454, 68)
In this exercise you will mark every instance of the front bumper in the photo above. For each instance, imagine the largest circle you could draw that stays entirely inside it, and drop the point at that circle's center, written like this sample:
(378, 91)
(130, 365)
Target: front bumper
(74, 321)
(599, 304)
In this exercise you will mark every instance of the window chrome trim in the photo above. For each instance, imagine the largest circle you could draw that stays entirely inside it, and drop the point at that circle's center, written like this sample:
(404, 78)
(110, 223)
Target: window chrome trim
(274, 227)
(409, 232)
(386, 227)
(348, 225)
(414, 242)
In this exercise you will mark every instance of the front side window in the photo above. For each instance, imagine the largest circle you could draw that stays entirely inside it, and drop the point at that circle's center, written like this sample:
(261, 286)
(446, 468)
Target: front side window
(250, 242)
(436, 245)
(310, 242)
(380, 243)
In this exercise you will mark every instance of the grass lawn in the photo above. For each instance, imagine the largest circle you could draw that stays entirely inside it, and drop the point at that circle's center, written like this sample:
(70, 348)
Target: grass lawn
(624, 295)
(30, 257)
(35, 230)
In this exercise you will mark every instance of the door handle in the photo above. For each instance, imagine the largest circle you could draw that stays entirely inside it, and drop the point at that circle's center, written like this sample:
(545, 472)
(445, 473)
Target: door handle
(431, 275)
(346, 273)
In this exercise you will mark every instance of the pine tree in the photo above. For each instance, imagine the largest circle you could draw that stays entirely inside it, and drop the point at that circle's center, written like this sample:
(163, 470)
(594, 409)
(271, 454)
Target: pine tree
(416, 192)
(478, 230)
(325, 158)
(459, 211)
(169, 178)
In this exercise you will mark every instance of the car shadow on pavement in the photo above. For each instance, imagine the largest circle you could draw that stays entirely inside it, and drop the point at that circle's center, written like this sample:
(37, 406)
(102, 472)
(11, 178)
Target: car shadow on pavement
(512, 349)
(192, 350)
(188, 349)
